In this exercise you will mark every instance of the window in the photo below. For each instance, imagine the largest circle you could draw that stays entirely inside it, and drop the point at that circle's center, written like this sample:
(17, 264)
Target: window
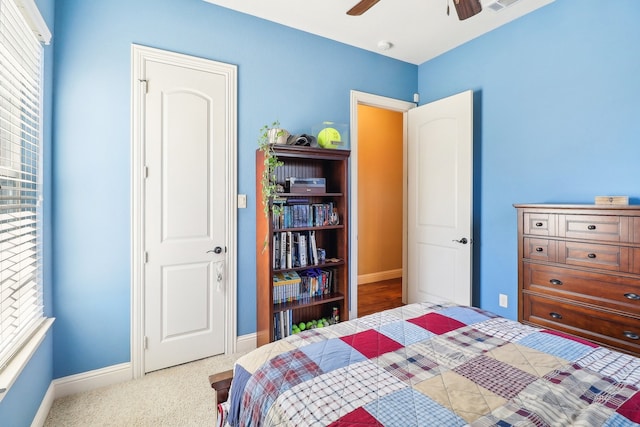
(21, 306)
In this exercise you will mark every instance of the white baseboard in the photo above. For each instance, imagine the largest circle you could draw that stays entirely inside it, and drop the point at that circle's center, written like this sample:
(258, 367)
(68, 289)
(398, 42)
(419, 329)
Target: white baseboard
(379, 276)
(246, 343)
(92, 380)
(45, 407)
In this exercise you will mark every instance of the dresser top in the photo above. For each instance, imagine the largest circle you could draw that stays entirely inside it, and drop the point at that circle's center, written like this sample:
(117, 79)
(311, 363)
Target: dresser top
(575, 206)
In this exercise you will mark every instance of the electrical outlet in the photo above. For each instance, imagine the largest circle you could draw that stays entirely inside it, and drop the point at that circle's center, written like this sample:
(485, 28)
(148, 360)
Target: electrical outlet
(504, 301)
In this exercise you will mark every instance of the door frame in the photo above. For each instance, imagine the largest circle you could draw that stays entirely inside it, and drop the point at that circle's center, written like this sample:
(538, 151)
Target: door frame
(139, 56)
(385, 103)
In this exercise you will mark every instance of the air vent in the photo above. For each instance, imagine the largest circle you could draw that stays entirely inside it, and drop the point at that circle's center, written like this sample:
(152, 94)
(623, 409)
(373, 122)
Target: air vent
(498, 5)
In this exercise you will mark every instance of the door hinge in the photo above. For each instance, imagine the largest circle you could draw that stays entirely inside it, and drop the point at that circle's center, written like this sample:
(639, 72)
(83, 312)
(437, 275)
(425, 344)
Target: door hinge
(146, 257)
(146, 172)
(145, 343)
(146, 85)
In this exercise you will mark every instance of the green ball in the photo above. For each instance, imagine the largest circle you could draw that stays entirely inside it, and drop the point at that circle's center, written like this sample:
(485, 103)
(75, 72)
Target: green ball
(302, 326)
(328, 137)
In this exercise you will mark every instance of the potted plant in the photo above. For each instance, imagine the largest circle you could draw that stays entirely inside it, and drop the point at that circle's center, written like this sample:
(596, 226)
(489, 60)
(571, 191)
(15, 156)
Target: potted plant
(270, 135)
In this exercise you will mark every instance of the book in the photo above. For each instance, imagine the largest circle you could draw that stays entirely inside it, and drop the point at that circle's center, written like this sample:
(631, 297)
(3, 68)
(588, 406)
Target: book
(283, 250)
(313, 249)
(289, 247)
(302, 249)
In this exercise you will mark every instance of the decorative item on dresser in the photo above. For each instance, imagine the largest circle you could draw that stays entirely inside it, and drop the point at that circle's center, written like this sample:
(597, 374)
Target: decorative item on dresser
(579, 271)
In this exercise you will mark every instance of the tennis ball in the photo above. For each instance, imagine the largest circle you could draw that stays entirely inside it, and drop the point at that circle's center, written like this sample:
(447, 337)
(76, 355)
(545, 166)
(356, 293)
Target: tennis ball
(328, 137)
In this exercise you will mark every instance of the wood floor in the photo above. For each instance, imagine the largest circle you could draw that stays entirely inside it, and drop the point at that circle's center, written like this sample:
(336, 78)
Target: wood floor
(378, 296)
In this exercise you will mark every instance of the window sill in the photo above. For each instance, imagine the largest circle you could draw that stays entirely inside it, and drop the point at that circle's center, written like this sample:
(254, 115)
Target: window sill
(9, 375)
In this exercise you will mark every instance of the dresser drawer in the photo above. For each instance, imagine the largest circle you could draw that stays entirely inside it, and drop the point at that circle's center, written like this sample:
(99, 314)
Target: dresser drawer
(606, 290)
(540, 249)
(539, 224)
(607, 328)
(594, 227)
(606, 257)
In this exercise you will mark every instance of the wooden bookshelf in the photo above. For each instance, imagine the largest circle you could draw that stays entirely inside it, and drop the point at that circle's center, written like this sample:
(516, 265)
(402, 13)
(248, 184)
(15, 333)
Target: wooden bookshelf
(304, 162)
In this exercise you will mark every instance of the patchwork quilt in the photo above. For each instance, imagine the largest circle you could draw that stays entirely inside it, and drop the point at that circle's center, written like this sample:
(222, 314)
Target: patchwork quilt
(433, 365)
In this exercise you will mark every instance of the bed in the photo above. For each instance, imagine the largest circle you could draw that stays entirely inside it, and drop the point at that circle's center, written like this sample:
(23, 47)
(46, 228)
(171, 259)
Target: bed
(433, 365)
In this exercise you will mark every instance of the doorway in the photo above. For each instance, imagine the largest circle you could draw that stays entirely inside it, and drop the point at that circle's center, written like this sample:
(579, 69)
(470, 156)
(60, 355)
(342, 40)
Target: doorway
(183, 209)
(380, 213)
(390, 109)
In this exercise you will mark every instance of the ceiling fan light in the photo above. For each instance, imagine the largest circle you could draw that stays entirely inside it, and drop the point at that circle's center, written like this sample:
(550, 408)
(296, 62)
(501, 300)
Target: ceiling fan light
(384, 45)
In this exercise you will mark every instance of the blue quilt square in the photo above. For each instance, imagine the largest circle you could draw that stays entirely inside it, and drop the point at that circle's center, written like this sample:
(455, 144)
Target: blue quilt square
(555, 345)
(392, 410)
(465, 315)
(332, 354)
(406, 333)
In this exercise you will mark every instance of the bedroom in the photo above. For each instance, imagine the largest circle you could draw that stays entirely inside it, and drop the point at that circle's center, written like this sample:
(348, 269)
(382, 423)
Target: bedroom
(558, 91)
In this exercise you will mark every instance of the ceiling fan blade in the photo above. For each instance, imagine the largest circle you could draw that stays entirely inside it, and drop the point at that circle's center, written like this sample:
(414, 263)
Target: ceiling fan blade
(361, 7)
(467, 8)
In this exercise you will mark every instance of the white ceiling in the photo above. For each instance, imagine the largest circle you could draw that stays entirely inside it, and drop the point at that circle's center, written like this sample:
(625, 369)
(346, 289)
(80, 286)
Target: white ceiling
(418, 29)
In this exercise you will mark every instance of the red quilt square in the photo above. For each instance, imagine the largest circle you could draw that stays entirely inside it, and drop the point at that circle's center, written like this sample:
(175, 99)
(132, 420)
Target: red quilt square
(631, 408)
(359, 417)
(437, 323)
(371, 343)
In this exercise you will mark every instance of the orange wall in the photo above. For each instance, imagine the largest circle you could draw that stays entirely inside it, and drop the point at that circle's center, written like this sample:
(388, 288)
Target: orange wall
(379, 190)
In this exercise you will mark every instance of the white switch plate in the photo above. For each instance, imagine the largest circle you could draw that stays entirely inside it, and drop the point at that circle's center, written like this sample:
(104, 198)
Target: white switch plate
(242, 201)
(504, 301)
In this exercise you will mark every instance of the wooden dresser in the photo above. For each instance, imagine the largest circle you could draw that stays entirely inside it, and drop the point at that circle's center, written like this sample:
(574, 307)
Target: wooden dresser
(579, 271)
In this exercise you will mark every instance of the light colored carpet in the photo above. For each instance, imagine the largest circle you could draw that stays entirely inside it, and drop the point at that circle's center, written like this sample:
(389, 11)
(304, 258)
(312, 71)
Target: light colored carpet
(178, 396)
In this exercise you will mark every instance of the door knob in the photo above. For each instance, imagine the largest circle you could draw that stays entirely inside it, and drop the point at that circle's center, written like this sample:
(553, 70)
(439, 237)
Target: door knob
(217, 250)
(464, 241)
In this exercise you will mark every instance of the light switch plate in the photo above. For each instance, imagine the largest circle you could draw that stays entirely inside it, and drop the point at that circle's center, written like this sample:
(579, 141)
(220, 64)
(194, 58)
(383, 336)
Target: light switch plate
(242, 201)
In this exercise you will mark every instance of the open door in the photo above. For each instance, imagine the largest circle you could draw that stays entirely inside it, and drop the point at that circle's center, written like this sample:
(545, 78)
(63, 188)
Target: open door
(440, 185)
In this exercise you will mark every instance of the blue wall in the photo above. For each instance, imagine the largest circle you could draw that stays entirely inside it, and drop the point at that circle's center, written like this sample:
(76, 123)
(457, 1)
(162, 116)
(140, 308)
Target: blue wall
(557, 119)
(282, 74)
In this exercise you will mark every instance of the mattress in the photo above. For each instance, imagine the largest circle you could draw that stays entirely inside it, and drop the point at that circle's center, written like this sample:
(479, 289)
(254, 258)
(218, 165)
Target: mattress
(433, 365)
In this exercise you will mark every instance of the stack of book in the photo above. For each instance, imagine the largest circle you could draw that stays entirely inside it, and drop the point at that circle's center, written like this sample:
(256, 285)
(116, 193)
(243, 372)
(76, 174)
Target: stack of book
(294, 249)
(291, 286)
(294, 215)
(286, 287)
(282, 324)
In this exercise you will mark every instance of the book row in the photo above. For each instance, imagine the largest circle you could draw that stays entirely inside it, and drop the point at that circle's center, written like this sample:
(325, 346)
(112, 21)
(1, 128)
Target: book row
(293, 249)
(293, 286)
(305, 215)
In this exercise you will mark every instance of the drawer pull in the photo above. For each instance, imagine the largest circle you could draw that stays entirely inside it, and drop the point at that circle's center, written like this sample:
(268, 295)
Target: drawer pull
(632, 296)
(591, 256)
(631, 335)
(591, 227)
(539, 249)
(538, 224)
(555, 315)
(557, 282)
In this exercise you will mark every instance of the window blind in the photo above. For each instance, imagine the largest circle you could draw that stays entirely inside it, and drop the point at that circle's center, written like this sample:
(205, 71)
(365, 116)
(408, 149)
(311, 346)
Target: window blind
(21, 306)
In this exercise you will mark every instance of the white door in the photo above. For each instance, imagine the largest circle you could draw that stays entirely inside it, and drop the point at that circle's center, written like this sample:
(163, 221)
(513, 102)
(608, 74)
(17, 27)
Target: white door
(440, 183)
(185, 121)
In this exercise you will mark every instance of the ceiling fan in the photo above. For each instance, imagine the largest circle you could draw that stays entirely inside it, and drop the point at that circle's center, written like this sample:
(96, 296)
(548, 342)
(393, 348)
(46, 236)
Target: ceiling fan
(464, 8)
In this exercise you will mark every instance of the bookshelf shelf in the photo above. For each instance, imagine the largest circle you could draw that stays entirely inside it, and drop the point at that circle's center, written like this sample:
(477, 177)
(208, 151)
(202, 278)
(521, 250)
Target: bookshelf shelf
(325, 265)
(282, 256)
(310, 303)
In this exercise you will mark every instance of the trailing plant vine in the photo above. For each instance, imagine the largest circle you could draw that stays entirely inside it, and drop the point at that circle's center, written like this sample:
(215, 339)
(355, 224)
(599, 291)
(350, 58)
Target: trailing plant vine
(268, 179)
